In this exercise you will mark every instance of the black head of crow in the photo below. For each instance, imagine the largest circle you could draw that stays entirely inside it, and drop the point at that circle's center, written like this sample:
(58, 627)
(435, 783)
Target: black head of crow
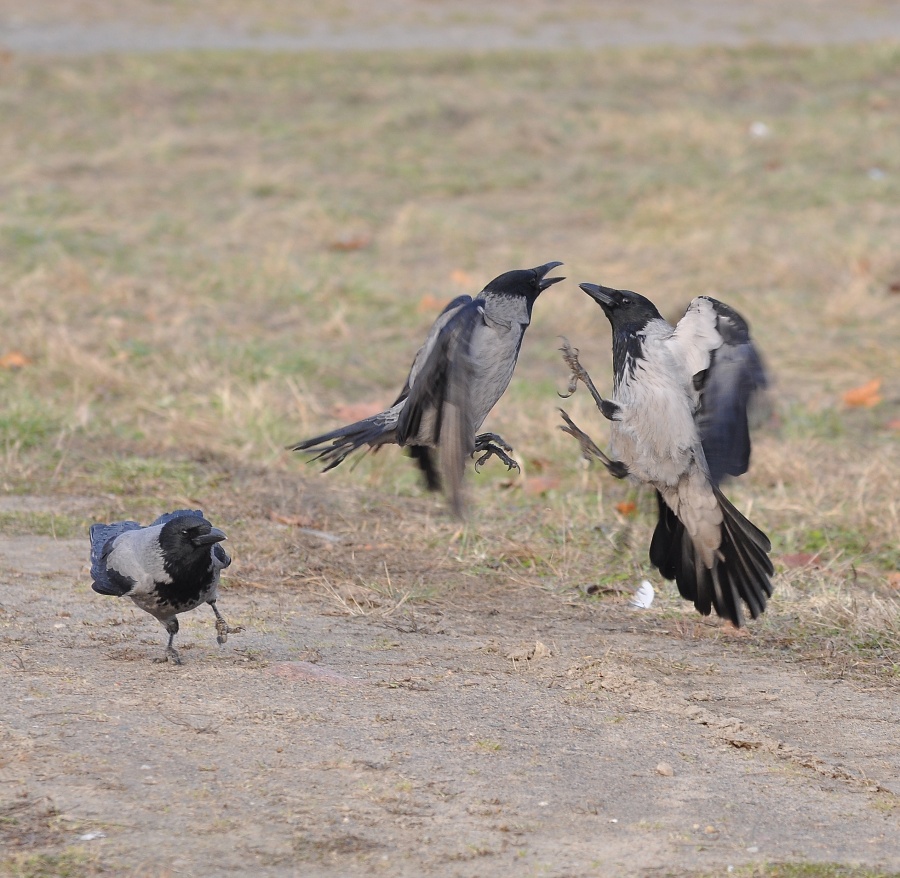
(456, 378)
(166, 568)
(679, 423)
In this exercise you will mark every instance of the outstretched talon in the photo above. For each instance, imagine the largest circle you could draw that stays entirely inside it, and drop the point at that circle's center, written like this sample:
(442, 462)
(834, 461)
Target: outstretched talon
(493, 445)
(608, 408)
(590, 449)
(579, 373)
(223, 629)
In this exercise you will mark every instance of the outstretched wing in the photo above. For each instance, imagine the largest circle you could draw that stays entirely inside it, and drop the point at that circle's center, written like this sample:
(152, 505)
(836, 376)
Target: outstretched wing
(728, 373)
(438, 411)
(424, 352)
(106, 581)
(734, 379)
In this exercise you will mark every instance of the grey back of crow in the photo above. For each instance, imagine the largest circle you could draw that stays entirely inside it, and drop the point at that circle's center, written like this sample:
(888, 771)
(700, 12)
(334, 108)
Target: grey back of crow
(456, 378)
(679, 423)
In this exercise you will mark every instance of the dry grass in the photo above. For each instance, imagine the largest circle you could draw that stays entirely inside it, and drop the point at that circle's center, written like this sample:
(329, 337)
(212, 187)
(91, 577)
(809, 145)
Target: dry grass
(202, 255)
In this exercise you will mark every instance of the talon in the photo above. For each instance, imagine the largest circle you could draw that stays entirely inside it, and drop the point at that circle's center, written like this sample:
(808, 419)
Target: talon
(223, 629)
(170, 656)
(493, 446)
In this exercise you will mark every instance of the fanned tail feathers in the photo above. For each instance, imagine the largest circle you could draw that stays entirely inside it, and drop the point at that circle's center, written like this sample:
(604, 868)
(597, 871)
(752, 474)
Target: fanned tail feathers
(740, 574)
(332, 448)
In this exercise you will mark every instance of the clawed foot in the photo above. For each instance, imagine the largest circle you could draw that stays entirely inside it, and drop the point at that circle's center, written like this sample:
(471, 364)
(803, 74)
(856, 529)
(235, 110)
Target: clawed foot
(170, 656)
(223, 629)
(590, 449)
(608, 408)
(493, 446)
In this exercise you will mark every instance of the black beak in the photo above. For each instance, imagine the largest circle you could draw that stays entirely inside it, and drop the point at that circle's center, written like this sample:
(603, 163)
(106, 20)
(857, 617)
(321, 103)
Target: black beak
(214, 536)
(544, 282)
(603, 296)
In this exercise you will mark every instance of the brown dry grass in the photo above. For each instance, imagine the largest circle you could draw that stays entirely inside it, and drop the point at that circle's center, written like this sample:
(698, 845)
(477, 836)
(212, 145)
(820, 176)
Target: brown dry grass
(203, 255)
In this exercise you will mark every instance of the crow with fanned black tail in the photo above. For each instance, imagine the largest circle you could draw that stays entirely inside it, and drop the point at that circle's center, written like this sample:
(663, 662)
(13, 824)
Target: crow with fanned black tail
(679, 423)
(456, 378)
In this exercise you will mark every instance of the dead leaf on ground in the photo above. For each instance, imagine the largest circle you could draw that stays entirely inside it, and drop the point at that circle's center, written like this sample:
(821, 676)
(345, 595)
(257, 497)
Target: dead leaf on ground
(14, 360)
(800, 559)
(864, 396)
(350, 241)
(429, 303)
(626, 507)
(462, 278)
(894, 580)
(894, 286)
(540, 484)
(292, 520)
(894, 424)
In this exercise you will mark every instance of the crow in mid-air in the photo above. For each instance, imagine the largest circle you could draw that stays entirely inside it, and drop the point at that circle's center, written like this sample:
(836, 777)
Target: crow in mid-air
(678, 418)
(167, 568)
(456, 378)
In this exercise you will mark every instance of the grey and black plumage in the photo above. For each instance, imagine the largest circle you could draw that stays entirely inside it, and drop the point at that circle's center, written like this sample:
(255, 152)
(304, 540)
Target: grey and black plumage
(679, 422)
(169, 567)
(457, 376)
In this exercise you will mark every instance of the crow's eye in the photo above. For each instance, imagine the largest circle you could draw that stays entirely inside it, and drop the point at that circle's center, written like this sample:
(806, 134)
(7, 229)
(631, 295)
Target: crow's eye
(626, 301)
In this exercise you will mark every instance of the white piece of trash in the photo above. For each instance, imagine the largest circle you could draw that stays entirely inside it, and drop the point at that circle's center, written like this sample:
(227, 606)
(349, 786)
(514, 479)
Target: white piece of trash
(643, 597)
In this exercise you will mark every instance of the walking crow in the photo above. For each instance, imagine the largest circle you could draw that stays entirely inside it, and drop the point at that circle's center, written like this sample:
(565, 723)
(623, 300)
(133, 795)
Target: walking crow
(679, 423)
(456, 378)
(167, 568)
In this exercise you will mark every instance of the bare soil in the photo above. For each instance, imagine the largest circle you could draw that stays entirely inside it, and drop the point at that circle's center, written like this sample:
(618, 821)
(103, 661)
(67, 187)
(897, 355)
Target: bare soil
(486, 731)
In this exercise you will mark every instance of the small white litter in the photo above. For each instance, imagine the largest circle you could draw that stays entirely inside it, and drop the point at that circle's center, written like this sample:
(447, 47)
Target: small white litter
(90, 836)
(643, 597)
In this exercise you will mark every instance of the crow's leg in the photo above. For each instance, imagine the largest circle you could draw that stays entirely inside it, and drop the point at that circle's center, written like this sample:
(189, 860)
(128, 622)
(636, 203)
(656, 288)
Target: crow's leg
(223, 629)
(607, 407)
(589, 448)
(493, 445)
(171, 625)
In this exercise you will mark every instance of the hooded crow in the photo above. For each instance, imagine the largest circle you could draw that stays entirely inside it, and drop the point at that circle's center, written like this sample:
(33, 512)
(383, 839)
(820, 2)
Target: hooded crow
(167, 568)
(679, 423)
(456, 378)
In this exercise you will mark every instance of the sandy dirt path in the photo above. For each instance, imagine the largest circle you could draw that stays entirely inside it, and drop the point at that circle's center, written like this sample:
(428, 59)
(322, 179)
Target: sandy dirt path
(426, 741)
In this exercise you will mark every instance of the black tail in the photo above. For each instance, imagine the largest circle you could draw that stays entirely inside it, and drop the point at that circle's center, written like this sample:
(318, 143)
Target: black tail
(333, 447)
(740, 572)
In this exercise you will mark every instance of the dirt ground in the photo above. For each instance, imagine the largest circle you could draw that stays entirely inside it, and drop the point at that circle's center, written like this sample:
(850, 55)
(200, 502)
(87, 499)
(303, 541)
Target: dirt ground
(524, 732)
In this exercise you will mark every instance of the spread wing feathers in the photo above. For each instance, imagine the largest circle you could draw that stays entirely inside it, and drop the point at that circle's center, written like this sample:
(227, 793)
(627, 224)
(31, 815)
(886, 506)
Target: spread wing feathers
(437, 411)
(727, 389)
(696, 336)
(423, 353)
(333, 447)
(740, 570)
(102, 538)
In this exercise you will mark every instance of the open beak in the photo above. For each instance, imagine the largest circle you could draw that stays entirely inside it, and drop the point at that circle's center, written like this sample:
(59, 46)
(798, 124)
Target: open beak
(544, 282)
(214, 536)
